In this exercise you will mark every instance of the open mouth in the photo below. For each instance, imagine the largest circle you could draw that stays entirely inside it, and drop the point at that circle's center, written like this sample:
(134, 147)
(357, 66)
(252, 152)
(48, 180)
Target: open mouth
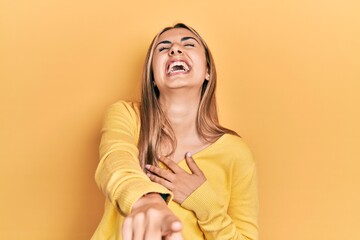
(178, 67)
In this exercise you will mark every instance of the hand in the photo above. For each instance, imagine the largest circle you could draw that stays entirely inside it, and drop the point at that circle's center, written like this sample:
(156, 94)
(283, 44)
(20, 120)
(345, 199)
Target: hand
(178, 181)
(151, 219)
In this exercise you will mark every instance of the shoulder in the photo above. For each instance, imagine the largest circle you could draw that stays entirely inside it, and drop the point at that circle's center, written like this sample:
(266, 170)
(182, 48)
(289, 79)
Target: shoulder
(237, 152)
(237, 146)
(125, 112)
(124, 109)
(125, 106)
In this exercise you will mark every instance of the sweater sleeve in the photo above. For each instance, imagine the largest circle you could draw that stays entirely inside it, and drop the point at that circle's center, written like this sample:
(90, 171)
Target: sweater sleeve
(238, 221)
(119, 174)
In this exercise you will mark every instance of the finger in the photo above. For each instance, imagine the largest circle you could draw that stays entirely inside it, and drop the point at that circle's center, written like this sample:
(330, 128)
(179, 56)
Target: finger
(138, 226)
(175, 236)
(161, 224)
(166, 174)
(127, 229)
(171, 225)
(153, 231)
(176, 226)
(192, 165)
(171, 164)
(160, 180)
(153, 228)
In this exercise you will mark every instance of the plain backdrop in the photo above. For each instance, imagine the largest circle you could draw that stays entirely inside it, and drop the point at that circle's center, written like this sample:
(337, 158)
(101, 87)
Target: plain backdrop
(288, 83)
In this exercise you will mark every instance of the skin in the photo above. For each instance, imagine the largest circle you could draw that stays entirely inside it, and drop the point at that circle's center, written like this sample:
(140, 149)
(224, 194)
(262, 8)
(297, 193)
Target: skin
(179, 182)
(179, 99)
(151, 219)
(179, 44)
(180, 93)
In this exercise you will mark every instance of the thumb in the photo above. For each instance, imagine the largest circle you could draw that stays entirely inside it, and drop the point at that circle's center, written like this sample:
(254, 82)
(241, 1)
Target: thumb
(171, 225)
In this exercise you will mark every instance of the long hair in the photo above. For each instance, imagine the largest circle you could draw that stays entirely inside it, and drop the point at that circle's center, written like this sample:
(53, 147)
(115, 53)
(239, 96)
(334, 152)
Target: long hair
(155, 127)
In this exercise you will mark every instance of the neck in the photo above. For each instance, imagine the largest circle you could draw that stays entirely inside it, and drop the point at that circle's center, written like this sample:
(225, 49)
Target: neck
(181, 111)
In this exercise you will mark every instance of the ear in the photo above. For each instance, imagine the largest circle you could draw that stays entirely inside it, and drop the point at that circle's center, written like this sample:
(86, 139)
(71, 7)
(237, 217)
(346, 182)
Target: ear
(207, 77)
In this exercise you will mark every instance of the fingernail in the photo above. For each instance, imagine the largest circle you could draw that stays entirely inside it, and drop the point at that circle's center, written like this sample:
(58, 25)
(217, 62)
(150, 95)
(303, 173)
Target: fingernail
(188, 154)
(147, 166)
(148, 174)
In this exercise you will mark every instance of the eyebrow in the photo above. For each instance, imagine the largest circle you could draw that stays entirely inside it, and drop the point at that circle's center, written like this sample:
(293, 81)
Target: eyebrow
(187, 38)
(182, 40)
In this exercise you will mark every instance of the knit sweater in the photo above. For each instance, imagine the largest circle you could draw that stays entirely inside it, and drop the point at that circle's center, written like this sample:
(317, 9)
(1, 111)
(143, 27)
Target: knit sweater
(225, 206)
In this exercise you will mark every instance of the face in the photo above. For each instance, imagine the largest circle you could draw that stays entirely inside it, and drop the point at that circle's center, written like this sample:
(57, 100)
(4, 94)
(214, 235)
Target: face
(179, 61)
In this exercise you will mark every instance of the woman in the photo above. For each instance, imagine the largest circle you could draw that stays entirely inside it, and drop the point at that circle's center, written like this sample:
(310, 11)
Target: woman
(167, 168)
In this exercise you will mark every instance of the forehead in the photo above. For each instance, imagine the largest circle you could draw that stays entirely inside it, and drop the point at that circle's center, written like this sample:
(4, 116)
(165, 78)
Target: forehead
(176, 34)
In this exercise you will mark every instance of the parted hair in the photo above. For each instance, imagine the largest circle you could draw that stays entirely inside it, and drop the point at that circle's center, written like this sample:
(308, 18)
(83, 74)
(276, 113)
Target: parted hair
(155, 128)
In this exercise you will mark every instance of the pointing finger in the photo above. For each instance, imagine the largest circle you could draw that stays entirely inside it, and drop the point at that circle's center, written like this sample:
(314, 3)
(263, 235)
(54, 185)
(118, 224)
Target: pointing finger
(171, 225)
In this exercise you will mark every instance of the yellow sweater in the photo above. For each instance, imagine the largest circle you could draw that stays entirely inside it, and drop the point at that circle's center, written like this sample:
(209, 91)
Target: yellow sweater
(224, 207)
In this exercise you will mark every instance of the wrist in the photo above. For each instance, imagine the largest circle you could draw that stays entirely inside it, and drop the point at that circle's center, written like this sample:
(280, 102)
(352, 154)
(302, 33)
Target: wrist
(149, 198)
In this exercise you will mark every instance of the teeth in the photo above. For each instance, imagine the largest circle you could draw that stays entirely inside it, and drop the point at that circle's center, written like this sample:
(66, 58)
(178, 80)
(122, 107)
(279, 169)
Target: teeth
(174, 67)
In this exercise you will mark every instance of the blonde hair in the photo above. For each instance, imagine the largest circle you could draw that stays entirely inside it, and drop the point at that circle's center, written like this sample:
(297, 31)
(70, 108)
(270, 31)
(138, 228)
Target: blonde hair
(155, 127)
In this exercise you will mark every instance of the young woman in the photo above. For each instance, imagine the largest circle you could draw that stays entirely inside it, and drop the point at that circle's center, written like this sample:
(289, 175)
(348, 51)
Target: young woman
(167, 168)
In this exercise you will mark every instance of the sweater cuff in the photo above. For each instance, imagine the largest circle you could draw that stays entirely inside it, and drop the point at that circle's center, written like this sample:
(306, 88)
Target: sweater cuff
(202, 201)
(131, 195)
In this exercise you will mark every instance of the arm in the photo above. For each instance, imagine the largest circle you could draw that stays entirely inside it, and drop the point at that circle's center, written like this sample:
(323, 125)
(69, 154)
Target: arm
(124, 183)
(119, 174)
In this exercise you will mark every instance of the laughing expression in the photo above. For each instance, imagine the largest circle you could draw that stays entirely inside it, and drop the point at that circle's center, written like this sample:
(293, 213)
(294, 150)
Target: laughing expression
(179, 61)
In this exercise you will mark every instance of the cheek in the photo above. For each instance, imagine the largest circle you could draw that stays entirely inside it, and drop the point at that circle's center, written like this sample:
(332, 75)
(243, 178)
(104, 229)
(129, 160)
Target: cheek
(200, 59)
(157, 66)
(201, 64)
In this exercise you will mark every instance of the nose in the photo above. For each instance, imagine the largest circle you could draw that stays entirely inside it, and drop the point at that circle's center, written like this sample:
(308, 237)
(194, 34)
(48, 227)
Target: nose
(175, 50)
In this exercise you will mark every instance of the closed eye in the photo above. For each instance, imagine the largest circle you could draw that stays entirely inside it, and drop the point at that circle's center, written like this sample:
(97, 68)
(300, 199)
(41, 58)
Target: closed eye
(163, 48)
(189, 45)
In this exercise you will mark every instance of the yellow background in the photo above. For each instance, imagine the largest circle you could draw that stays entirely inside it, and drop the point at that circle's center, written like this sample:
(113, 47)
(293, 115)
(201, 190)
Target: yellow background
(289, 83)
